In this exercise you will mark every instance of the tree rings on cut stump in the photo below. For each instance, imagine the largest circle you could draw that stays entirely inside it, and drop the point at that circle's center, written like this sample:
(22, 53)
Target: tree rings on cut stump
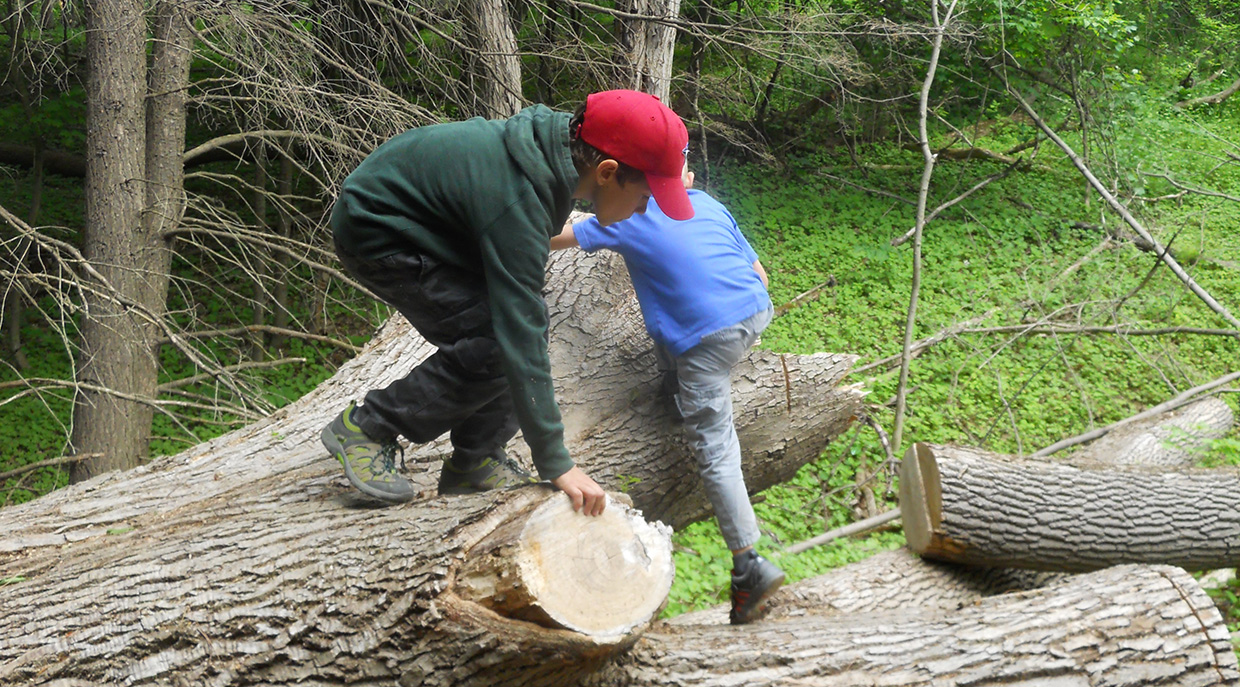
(600, 576)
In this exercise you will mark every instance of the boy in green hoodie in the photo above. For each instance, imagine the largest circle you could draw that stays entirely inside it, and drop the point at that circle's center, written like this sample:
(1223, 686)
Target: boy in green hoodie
(451, 225)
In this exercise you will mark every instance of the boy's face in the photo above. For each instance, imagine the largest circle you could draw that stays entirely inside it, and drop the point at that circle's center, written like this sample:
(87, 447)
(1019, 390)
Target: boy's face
(614, 201)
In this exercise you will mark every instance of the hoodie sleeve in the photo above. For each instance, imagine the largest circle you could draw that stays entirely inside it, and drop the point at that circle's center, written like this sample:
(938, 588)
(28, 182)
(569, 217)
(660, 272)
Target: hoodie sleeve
(514, 257)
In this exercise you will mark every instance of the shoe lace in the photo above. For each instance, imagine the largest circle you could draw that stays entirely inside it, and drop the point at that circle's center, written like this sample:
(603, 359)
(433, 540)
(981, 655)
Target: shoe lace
(387, 454)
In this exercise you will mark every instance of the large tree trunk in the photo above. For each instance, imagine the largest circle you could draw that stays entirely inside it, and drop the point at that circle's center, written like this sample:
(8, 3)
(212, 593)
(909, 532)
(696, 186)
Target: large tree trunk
(646, 46)
(293, 581)
(969, 506)
(249, 559)
(115, 366)
(499, 66)
(1127, 625)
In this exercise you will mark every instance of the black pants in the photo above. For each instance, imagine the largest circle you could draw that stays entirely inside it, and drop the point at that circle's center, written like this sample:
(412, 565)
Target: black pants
(461, 388)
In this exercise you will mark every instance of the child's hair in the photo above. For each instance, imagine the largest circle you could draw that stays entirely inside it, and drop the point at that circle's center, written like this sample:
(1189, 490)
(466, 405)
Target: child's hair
(586, 157)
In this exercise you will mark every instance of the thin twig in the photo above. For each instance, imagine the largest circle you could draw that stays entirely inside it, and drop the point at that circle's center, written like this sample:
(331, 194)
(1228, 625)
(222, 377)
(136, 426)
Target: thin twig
(50, 462)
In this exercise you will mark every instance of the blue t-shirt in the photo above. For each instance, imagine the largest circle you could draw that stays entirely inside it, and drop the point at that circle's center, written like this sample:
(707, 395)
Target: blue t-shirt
(692, 277)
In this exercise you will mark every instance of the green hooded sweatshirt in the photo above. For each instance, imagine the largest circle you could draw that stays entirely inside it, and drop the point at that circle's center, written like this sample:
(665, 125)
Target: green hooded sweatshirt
(484, 196)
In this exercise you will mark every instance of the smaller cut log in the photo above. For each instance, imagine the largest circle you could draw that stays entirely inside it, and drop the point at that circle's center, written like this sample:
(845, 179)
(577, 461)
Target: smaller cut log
(599, 576)
(901, 582)
(969, 506)
(1128, 625)
(1177, 437)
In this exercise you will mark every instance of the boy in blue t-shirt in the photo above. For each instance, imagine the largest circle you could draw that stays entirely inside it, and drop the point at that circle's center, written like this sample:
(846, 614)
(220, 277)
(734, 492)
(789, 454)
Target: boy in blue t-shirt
(702, 292)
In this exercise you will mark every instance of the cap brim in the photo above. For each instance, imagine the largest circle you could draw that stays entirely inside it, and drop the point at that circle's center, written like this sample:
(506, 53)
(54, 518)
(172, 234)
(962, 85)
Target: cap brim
(670, 194)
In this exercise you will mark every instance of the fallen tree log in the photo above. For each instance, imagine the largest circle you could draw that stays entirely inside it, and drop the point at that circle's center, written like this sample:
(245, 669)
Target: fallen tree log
(1176, 437)
(1126, 625)
(969, 506)
(282, 586)
(887, 583)
(787, 407)
(250, 560)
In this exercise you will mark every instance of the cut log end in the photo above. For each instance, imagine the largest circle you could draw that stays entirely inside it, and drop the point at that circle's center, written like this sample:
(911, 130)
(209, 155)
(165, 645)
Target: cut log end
(920, 499)
(603, 577)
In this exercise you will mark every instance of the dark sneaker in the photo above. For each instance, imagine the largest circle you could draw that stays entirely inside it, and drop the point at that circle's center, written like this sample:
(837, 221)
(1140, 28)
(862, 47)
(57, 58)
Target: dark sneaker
(754, 580)
(496, 472)
(370, 465)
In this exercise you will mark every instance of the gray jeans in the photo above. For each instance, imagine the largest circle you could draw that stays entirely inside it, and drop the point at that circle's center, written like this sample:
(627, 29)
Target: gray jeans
(705, 403)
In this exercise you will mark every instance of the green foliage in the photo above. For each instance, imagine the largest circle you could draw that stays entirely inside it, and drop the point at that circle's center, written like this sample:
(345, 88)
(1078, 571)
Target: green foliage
(1222, 452)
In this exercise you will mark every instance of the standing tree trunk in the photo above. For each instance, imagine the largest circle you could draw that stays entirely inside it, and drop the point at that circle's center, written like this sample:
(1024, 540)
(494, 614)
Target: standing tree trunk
(645, 46)
(499, 67)
(116, 369)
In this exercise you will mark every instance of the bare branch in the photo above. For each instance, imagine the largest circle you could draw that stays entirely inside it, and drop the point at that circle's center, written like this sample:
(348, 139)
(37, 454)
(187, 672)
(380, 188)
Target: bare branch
(1121, 210)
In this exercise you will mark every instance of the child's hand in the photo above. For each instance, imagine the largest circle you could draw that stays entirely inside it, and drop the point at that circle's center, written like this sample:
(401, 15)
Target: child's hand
(588, 497)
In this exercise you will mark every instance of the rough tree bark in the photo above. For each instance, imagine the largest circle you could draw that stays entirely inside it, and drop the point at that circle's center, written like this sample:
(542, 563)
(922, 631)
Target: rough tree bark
(115, 365)
(645, 45)
(969, 506)
(1126, 625)
(498, 64)
(250, 560)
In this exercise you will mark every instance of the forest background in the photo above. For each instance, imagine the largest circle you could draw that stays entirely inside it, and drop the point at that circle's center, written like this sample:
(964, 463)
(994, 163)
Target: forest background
(1041, 311)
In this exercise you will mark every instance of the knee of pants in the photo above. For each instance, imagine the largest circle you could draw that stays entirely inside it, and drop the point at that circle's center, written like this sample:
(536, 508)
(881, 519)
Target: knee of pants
(477, 357)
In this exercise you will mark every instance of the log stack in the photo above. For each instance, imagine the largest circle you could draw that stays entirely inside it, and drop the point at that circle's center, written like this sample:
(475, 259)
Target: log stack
(249, 560)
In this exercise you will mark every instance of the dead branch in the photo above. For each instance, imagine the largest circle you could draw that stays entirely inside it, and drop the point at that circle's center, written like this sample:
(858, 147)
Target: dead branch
(50, 462)
(1183, 399)
(268, 329)
(918, 346)
(923, 195)
(1120, 209)
(1213, 99)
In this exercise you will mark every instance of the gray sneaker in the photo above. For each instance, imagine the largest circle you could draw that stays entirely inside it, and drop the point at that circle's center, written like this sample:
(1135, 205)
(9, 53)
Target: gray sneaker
(370, 465)
(496, 472)
(754, 580)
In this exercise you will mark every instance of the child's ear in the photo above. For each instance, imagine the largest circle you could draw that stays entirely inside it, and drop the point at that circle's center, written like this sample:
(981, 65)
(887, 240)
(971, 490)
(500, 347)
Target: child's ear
(606, 171)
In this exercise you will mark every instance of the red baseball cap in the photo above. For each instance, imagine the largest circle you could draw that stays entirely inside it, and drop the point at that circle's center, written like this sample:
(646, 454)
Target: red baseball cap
(635, 128)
